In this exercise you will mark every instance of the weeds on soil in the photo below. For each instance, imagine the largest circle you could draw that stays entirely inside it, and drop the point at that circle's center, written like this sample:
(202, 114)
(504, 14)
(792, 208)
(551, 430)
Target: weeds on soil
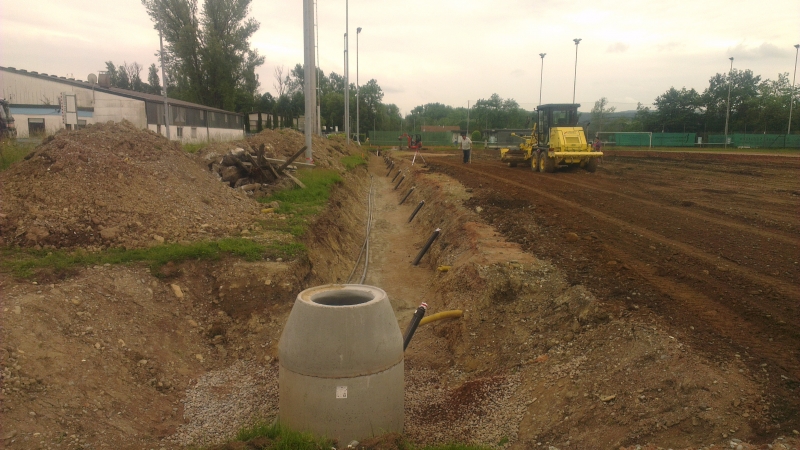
(24, 264)
(284, 439)
(353, 161)
(12, 151)
(300, 204)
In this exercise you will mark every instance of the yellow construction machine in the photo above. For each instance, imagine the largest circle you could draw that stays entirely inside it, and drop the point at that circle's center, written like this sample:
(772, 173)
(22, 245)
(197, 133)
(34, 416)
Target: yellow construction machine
(556, 140)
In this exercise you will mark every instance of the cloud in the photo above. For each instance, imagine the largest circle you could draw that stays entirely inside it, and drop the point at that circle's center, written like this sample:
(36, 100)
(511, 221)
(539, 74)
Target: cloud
(669, 46)
(764, 51)
(618, 47)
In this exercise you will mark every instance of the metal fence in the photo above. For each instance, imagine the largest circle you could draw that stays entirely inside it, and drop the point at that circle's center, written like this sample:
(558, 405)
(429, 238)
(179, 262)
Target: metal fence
(429, 139)
(757, 140)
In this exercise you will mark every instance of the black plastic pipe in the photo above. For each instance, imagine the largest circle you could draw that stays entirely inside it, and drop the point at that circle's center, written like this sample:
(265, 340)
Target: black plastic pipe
(398, 183)
(395, 176)
(412, 327)
(407, 195)
(391, 167)
(427, 246)
(421, 204)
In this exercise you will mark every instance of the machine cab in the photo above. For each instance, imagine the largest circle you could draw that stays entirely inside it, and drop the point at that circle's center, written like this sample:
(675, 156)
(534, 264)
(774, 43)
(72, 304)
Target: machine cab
(555, 115)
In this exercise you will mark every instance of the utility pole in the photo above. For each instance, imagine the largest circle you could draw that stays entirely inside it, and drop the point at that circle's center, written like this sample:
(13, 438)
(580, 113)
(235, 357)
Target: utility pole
(347, 70)
(541, 77)
(728, 114)
(575, 82)
(310, 75)
(791, 94)
(164, 80)
(358, 92)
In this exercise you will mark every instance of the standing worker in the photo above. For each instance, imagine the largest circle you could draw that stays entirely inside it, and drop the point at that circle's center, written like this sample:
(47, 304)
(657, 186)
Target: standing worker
(466, 146)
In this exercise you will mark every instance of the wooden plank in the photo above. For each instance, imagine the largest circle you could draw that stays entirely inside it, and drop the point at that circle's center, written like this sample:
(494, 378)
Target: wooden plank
(297, 182)
(289, 161)
(282, 162)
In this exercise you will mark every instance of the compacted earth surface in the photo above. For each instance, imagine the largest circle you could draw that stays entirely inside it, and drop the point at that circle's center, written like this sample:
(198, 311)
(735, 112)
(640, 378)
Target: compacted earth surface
(652, 304)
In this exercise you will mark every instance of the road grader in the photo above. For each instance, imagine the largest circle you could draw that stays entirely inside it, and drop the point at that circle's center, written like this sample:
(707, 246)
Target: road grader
(555, 140)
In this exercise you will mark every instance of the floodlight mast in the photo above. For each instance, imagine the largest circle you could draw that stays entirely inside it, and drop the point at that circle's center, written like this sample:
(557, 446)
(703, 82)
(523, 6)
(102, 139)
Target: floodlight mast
(728, 113)
(541, 75)
(791, 94)
(310, 75)
(575, 82)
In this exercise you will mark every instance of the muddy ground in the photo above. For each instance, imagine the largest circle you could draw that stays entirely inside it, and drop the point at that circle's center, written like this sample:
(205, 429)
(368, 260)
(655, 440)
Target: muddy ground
(654, 301)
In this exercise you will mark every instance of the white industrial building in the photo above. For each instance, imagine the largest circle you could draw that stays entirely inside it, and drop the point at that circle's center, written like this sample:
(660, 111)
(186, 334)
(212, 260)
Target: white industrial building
(44, 104)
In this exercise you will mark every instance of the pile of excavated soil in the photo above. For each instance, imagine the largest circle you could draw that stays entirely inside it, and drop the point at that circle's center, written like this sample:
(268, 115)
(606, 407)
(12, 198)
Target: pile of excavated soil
(114, 185)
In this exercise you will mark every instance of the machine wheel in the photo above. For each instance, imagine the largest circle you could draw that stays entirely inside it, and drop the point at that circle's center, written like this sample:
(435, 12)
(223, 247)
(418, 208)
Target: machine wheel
(591, 165)
(534, 162)
(539, 163)
(548, 163)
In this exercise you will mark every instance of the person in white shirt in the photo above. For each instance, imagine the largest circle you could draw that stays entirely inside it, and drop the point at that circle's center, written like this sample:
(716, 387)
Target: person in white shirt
(465, 143)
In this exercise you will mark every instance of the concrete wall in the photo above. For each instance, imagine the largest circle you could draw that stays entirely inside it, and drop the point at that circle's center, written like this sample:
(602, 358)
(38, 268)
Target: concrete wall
(21, 89)
(202, 134)
(40, 97)
(116, 108)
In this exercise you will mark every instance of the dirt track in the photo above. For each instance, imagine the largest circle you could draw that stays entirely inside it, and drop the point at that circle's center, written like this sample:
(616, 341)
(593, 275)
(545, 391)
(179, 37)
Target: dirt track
(711, 245)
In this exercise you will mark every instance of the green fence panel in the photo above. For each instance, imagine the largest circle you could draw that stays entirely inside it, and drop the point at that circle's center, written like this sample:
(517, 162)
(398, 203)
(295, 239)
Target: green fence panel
(757, 140)
(659, 140)
(674, 139)
(429, 139)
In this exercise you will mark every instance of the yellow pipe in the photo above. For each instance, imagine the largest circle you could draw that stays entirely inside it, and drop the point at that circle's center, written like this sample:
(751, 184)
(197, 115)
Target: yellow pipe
(442, 315)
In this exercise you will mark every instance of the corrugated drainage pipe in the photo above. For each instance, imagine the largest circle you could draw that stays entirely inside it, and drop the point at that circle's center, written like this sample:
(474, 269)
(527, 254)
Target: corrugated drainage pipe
(427, 245)
(421, 204)
(412, 326)
(442, 315)
(407, 195)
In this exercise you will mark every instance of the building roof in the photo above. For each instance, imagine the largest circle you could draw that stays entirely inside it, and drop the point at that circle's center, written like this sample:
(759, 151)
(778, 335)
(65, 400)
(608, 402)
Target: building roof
(114, 90)
(438, 128)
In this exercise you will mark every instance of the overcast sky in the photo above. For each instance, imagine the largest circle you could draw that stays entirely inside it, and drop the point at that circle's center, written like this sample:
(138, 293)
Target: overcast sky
(450, 51)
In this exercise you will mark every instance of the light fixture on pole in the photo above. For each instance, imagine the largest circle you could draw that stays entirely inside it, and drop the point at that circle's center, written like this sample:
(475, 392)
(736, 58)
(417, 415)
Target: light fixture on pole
(347, 71)
(791, 93)
(541, 74)
(358, 92)
(728, 114)
(575, 82)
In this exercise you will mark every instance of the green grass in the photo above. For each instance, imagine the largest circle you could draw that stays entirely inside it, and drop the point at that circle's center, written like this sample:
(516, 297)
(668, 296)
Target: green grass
(193, 148)
(12, 151)
(300, 204)
(284, 439)
(353, 161)
(25, 263)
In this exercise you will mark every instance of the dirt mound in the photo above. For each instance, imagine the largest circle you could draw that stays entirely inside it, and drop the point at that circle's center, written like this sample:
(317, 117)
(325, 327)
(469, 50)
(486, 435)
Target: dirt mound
(113, 185)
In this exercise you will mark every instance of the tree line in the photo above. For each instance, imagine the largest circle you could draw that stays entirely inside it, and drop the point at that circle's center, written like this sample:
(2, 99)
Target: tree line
(756, 106)
(209, 61)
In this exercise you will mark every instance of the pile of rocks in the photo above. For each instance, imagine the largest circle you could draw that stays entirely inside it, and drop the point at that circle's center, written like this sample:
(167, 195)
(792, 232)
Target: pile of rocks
(247, 169)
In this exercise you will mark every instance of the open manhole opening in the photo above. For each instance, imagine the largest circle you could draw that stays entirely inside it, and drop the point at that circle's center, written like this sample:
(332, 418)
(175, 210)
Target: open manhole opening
(342, 298)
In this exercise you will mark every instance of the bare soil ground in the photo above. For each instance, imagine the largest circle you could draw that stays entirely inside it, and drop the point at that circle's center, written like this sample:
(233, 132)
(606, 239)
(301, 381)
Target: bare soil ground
(605, 310)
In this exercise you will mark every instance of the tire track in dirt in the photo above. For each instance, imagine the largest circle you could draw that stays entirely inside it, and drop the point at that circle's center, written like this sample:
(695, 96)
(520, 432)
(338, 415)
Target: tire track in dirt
(700, 216)
(787, 289)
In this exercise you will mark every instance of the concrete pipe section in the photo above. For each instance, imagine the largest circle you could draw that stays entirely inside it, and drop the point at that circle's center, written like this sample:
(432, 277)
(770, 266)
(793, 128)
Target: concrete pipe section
(341, 364)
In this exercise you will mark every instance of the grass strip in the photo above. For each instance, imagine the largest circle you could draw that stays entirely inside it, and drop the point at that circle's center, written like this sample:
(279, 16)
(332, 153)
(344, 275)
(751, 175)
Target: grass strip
(353, 161)
(12, 151)
(300, 204)
(25, 263)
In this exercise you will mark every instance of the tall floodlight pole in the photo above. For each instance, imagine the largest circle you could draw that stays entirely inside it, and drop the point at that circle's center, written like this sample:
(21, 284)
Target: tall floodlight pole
(575, 79)
(358, 91)
(164, 80)
(728, 114)
(791, 93)
(541, 75)
(316, 34)
(347, 70)
(310, 75)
